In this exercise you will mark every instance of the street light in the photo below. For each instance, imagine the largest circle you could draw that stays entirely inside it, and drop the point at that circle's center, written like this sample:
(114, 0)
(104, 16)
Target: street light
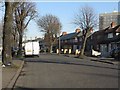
(59, 28)
(59, 44)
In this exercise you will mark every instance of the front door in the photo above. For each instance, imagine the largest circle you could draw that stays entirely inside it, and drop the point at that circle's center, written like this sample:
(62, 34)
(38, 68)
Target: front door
(103, 49)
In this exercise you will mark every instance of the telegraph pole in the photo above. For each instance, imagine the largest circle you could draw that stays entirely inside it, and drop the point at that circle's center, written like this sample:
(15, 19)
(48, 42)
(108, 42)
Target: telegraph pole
(59, 44)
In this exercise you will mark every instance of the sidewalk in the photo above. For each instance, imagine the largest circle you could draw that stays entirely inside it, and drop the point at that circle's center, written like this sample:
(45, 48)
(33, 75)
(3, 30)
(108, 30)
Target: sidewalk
(104, 60)
(97, 59)
(11, 73)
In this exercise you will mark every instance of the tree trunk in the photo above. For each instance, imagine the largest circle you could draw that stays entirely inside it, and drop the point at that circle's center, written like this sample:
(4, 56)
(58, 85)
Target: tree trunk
(6, 54)
(20, 31)
(51, 46)
(83, 47)
(20, 45)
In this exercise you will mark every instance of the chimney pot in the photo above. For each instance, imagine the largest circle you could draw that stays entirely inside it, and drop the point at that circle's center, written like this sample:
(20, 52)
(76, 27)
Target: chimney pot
(64, 33)
(113, 24)
(77, 30)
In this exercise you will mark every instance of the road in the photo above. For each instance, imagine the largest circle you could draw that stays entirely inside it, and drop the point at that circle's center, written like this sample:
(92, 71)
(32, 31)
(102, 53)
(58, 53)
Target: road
(53, 71)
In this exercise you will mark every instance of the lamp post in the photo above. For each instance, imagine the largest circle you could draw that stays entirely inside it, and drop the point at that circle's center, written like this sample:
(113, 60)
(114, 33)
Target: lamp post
(59, 44)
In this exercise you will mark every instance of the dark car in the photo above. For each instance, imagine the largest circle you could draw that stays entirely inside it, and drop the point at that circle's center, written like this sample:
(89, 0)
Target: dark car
(14, 51)
(115, 53)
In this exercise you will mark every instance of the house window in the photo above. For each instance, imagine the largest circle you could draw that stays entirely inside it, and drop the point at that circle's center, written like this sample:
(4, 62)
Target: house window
(91, 37)
(71, 40)
(110, 35)
(76, 39)
(80, 39)
(77, 46)
(91, 47)
(97, 47)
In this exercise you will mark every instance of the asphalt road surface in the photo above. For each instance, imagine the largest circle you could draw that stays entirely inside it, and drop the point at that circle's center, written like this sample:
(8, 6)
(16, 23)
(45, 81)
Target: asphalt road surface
(53, 71)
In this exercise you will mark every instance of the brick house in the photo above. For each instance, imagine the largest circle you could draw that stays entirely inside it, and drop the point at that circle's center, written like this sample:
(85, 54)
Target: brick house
(105, 40)
(70, 42)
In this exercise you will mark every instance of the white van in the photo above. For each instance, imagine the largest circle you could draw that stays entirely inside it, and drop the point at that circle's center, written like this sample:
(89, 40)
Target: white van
(32, 48)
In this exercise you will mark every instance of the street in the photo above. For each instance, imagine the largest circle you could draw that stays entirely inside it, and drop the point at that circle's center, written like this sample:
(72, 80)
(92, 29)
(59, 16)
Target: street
(54, 71)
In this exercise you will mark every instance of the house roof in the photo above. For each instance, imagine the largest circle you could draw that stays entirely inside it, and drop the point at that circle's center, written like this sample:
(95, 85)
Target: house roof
(102, 38)
(100, 32)
(108, 30)
(118, 29)
(68, 36)
(108, 40)
(115, 29)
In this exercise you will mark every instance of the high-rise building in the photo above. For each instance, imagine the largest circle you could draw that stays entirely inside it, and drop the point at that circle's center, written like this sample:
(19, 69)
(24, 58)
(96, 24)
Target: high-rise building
(105, 19)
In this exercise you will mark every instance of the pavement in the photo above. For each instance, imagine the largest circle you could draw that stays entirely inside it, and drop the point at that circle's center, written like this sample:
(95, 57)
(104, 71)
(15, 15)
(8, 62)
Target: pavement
(97, 59)
(10, 74)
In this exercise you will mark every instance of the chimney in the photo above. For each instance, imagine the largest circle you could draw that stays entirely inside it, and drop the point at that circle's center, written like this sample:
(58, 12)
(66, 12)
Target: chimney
(77, 30)
(113, 24)
(64, 33)
(91, 30)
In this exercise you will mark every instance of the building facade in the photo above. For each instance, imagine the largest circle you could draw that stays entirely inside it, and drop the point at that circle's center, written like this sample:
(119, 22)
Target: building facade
(105, 40)
(106, 18)
(71, 43)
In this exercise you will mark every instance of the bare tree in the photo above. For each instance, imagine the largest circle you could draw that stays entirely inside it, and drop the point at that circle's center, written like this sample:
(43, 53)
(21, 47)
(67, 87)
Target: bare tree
(51, 26)
(15, 36)
(24, 13)
(7, 29)
(2, 6)
(7, 33)
(1, 22)
(87, 20)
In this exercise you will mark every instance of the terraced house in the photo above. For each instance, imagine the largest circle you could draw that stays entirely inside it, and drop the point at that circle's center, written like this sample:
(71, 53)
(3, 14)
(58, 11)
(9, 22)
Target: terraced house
(102, 41)
(105, 40)
(71, 42)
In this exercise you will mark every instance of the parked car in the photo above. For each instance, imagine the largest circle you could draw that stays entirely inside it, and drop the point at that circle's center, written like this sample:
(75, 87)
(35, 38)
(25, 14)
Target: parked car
(115, 53)
(14, 51)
